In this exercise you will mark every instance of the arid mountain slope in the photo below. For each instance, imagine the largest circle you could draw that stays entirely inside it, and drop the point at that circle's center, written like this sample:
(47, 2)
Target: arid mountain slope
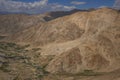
(13, 23)
(85, 43)
(97, 34)
(57, 30)
(98, 45)
(68, 27)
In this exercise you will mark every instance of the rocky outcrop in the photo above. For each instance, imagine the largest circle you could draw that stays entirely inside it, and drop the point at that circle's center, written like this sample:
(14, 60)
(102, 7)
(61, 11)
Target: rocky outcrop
(67, 62)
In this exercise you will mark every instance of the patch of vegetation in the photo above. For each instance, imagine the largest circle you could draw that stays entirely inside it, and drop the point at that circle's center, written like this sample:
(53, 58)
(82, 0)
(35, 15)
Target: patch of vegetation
(10, 44)
(84, 73)
(88, 73)
(16, 78)
(3, 46)
(22, 48)
(27, 79)
(4, 67)
(13, 52)
(41, 72)
(50, 57)
(37, 55)
(2, 37)
(36, 49)
(26, 46)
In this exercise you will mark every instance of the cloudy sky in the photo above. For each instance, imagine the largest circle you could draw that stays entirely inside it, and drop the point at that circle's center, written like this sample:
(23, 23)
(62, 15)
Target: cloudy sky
(41, 6)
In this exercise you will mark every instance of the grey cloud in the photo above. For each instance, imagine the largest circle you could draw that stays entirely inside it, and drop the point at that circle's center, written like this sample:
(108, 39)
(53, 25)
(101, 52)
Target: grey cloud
(77, 3)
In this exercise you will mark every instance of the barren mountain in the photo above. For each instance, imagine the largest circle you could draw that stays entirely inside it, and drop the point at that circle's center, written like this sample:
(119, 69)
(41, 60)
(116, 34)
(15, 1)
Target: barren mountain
(98, 45)
(83, 45)
(18, 22)
(14, 23)
(97, 32)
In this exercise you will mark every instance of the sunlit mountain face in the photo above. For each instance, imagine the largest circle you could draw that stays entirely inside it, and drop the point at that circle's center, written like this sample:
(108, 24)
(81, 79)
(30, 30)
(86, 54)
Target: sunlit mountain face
(59, 39)
(41, 6)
